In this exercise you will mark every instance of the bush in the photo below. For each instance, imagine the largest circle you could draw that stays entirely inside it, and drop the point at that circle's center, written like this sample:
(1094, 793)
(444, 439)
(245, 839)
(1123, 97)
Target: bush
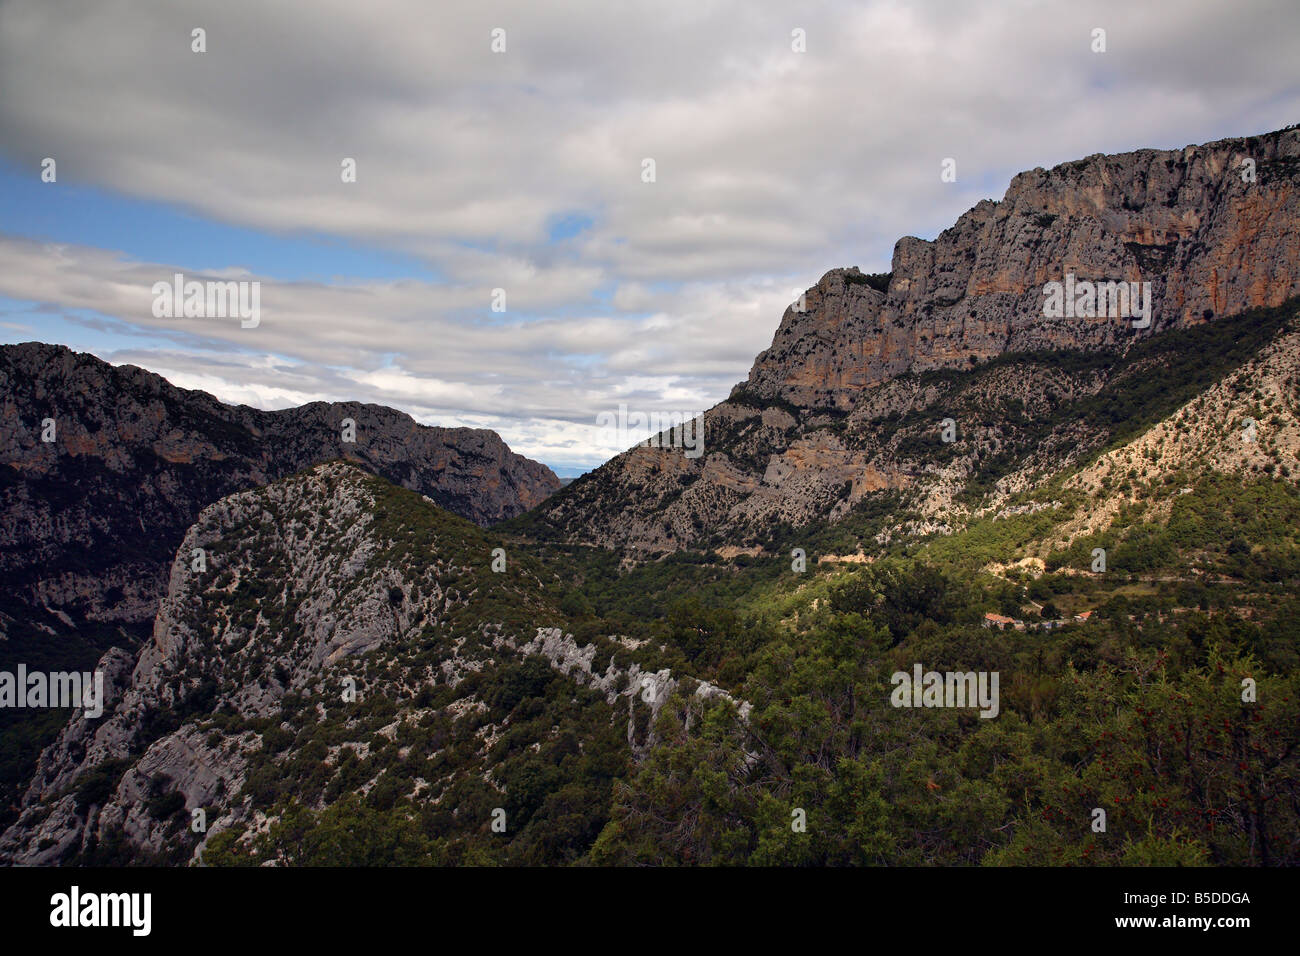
(96, 786)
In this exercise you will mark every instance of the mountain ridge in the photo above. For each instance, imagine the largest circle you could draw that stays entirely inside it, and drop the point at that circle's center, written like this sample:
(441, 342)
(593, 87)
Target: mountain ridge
(91, 520)
(162, 452)
(1210, 242)
(329, 599)
(813, 430)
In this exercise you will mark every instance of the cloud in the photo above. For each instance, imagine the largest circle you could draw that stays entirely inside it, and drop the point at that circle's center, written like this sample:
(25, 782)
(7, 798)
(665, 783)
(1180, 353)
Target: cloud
(410, 344)
(772, 166)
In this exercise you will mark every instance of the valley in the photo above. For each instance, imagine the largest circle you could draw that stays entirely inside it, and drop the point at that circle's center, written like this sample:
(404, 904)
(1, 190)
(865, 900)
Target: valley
(419, 648)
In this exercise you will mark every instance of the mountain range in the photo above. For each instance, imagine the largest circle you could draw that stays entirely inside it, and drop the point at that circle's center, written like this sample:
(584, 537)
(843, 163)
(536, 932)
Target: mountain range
(859, 375)
(417, 647)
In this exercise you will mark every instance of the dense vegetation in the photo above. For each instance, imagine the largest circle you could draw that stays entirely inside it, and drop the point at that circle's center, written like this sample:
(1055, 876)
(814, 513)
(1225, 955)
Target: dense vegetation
(1137, 712)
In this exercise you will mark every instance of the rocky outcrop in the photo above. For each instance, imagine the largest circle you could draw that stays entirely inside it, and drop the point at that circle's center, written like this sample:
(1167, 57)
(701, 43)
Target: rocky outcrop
(1213, 235)
(308, 541)
(92, 517)
(630, 684)
(329, 606)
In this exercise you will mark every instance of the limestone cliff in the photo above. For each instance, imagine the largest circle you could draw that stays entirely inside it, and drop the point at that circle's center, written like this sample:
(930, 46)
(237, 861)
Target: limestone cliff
(333, 615)
(848, 403)
(1211, 235)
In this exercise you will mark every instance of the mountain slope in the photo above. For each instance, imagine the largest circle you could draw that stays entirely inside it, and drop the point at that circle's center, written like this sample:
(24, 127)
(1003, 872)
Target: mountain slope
(849, 404)
(469, 695)
(90, 521)
(92, 517)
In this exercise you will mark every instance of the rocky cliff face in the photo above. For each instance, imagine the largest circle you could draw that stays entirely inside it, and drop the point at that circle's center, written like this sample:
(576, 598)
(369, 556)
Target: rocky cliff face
(847, 404)
(1211, 235)
(91, 519)
(338, 612)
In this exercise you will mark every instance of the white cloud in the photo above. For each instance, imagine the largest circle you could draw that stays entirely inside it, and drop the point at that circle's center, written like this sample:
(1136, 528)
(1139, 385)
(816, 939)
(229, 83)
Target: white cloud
(772, 166)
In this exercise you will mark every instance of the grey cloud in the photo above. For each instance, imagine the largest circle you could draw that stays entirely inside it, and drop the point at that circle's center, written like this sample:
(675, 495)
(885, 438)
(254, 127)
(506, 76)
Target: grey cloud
(772, 166)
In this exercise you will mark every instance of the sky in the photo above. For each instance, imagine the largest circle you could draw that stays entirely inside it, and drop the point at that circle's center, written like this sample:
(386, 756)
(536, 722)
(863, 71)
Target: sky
(500, 161)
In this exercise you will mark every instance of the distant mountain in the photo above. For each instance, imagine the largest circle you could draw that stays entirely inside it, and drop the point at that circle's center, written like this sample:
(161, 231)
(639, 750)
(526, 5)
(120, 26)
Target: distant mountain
(569, 472)
(92, 517)
(848, 405)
